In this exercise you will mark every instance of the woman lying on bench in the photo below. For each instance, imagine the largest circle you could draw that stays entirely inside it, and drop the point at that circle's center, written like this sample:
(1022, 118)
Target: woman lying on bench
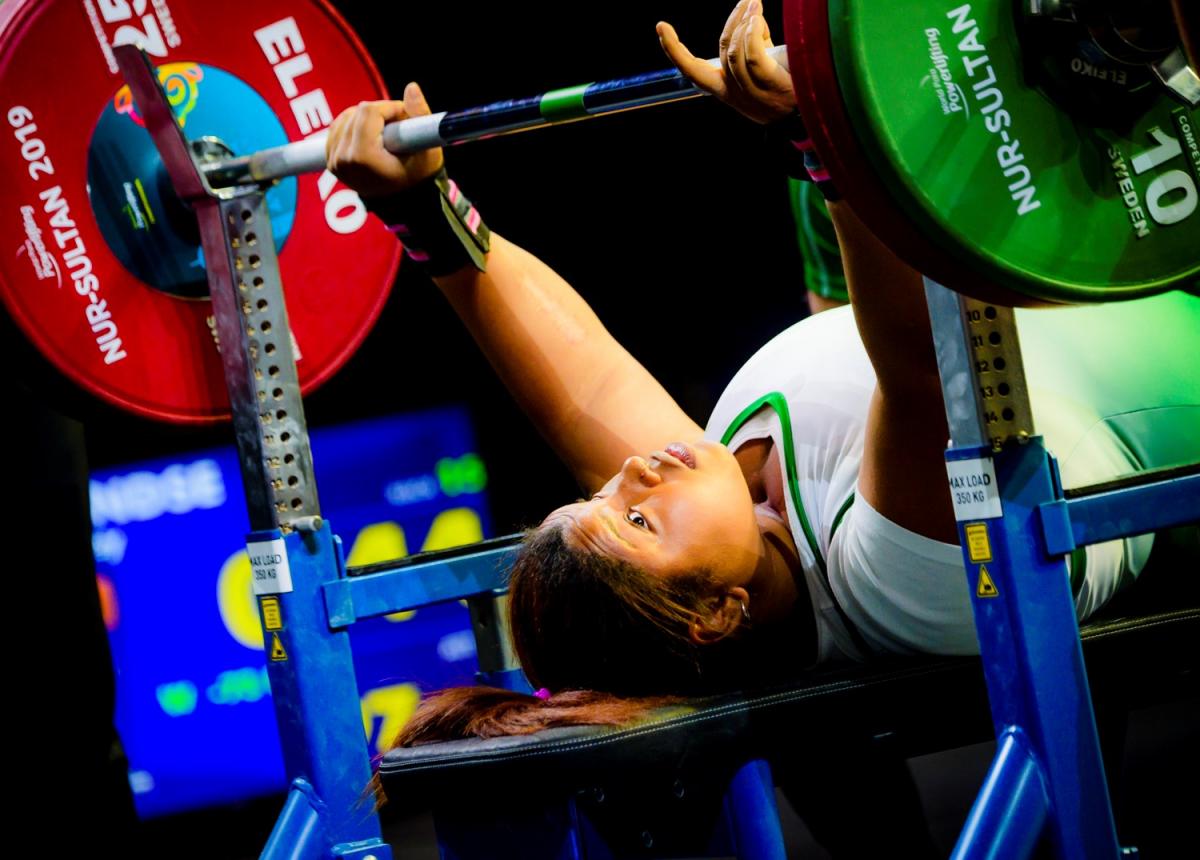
(810, 520)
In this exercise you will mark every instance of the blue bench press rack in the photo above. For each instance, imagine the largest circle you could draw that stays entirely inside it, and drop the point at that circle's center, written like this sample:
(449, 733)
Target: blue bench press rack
(1047, 776)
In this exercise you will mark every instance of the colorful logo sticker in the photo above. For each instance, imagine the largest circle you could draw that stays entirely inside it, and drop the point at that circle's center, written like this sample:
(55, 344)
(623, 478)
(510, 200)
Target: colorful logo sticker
(180, 81)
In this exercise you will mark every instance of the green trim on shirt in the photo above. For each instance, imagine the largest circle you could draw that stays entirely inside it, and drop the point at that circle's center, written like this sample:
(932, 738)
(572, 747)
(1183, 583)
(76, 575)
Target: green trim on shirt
(778, 403)
(1078, 567)
(837, 520)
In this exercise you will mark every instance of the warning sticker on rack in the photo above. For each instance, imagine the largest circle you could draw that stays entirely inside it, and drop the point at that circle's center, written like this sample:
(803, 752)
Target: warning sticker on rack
(979, 548)
(973, 489)
(272, 616)
(269, 564)
(986, 586)
(278, 654)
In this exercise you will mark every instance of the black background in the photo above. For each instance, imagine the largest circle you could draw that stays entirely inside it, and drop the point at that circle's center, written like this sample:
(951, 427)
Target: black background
(675, 226)
(671, 222)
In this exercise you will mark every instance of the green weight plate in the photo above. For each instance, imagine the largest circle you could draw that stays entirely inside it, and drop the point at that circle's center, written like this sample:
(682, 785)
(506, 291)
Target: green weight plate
(1004, 179)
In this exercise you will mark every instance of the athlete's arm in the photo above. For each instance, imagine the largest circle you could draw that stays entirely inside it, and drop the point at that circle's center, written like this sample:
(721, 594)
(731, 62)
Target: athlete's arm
(592, 401)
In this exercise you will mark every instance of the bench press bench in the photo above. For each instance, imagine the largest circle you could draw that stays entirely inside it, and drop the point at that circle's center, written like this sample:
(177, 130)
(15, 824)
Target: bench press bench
(697, 780)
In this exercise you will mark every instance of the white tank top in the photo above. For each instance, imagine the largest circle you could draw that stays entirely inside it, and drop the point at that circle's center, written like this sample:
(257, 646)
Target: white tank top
(814, 379)
(809, 389)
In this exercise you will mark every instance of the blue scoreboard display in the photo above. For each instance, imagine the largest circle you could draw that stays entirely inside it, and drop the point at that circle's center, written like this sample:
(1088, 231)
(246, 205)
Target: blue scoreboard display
(193, 703)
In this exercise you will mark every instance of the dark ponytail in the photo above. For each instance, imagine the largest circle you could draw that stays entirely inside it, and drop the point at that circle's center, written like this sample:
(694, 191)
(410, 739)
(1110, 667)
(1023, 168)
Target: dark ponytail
(489, 712)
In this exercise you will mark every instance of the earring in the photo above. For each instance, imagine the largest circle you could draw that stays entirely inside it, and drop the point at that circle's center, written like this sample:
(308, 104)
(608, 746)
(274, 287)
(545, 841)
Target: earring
(745, 611)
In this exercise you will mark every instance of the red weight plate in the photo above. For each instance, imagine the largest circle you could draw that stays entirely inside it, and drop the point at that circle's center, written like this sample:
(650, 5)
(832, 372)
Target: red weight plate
(819, 99)
(100, 264)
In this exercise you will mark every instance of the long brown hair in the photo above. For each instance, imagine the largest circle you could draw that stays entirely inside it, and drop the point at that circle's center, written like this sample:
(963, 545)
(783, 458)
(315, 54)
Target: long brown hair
(583, 620)
(607, 640)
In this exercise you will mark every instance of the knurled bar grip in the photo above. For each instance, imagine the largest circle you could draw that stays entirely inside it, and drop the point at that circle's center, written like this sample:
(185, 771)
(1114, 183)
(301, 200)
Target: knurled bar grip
(447, 128)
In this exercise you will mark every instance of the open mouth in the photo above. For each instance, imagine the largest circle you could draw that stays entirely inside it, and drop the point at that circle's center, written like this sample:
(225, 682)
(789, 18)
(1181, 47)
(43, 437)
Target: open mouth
(682, 453)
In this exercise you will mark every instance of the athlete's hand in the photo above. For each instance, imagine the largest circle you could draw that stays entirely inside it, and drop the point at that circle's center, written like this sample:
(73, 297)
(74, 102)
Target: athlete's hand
(749, 80)
(355, 154)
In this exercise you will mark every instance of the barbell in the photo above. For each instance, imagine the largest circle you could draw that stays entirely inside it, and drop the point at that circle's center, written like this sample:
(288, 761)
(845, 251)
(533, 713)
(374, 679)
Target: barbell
(1039, 152)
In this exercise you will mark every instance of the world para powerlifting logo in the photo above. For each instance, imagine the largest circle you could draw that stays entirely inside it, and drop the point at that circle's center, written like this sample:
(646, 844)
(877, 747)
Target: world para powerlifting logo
(949, 94)
(45, 264)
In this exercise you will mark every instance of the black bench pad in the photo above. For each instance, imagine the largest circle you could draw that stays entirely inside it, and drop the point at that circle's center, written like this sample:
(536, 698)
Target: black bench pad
(915, 705)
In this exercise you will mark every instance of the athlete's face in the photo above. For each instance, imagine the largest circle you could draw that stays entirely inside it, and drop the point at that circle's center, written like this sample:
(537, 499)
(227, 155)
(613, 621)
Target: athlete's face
(683, 509)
